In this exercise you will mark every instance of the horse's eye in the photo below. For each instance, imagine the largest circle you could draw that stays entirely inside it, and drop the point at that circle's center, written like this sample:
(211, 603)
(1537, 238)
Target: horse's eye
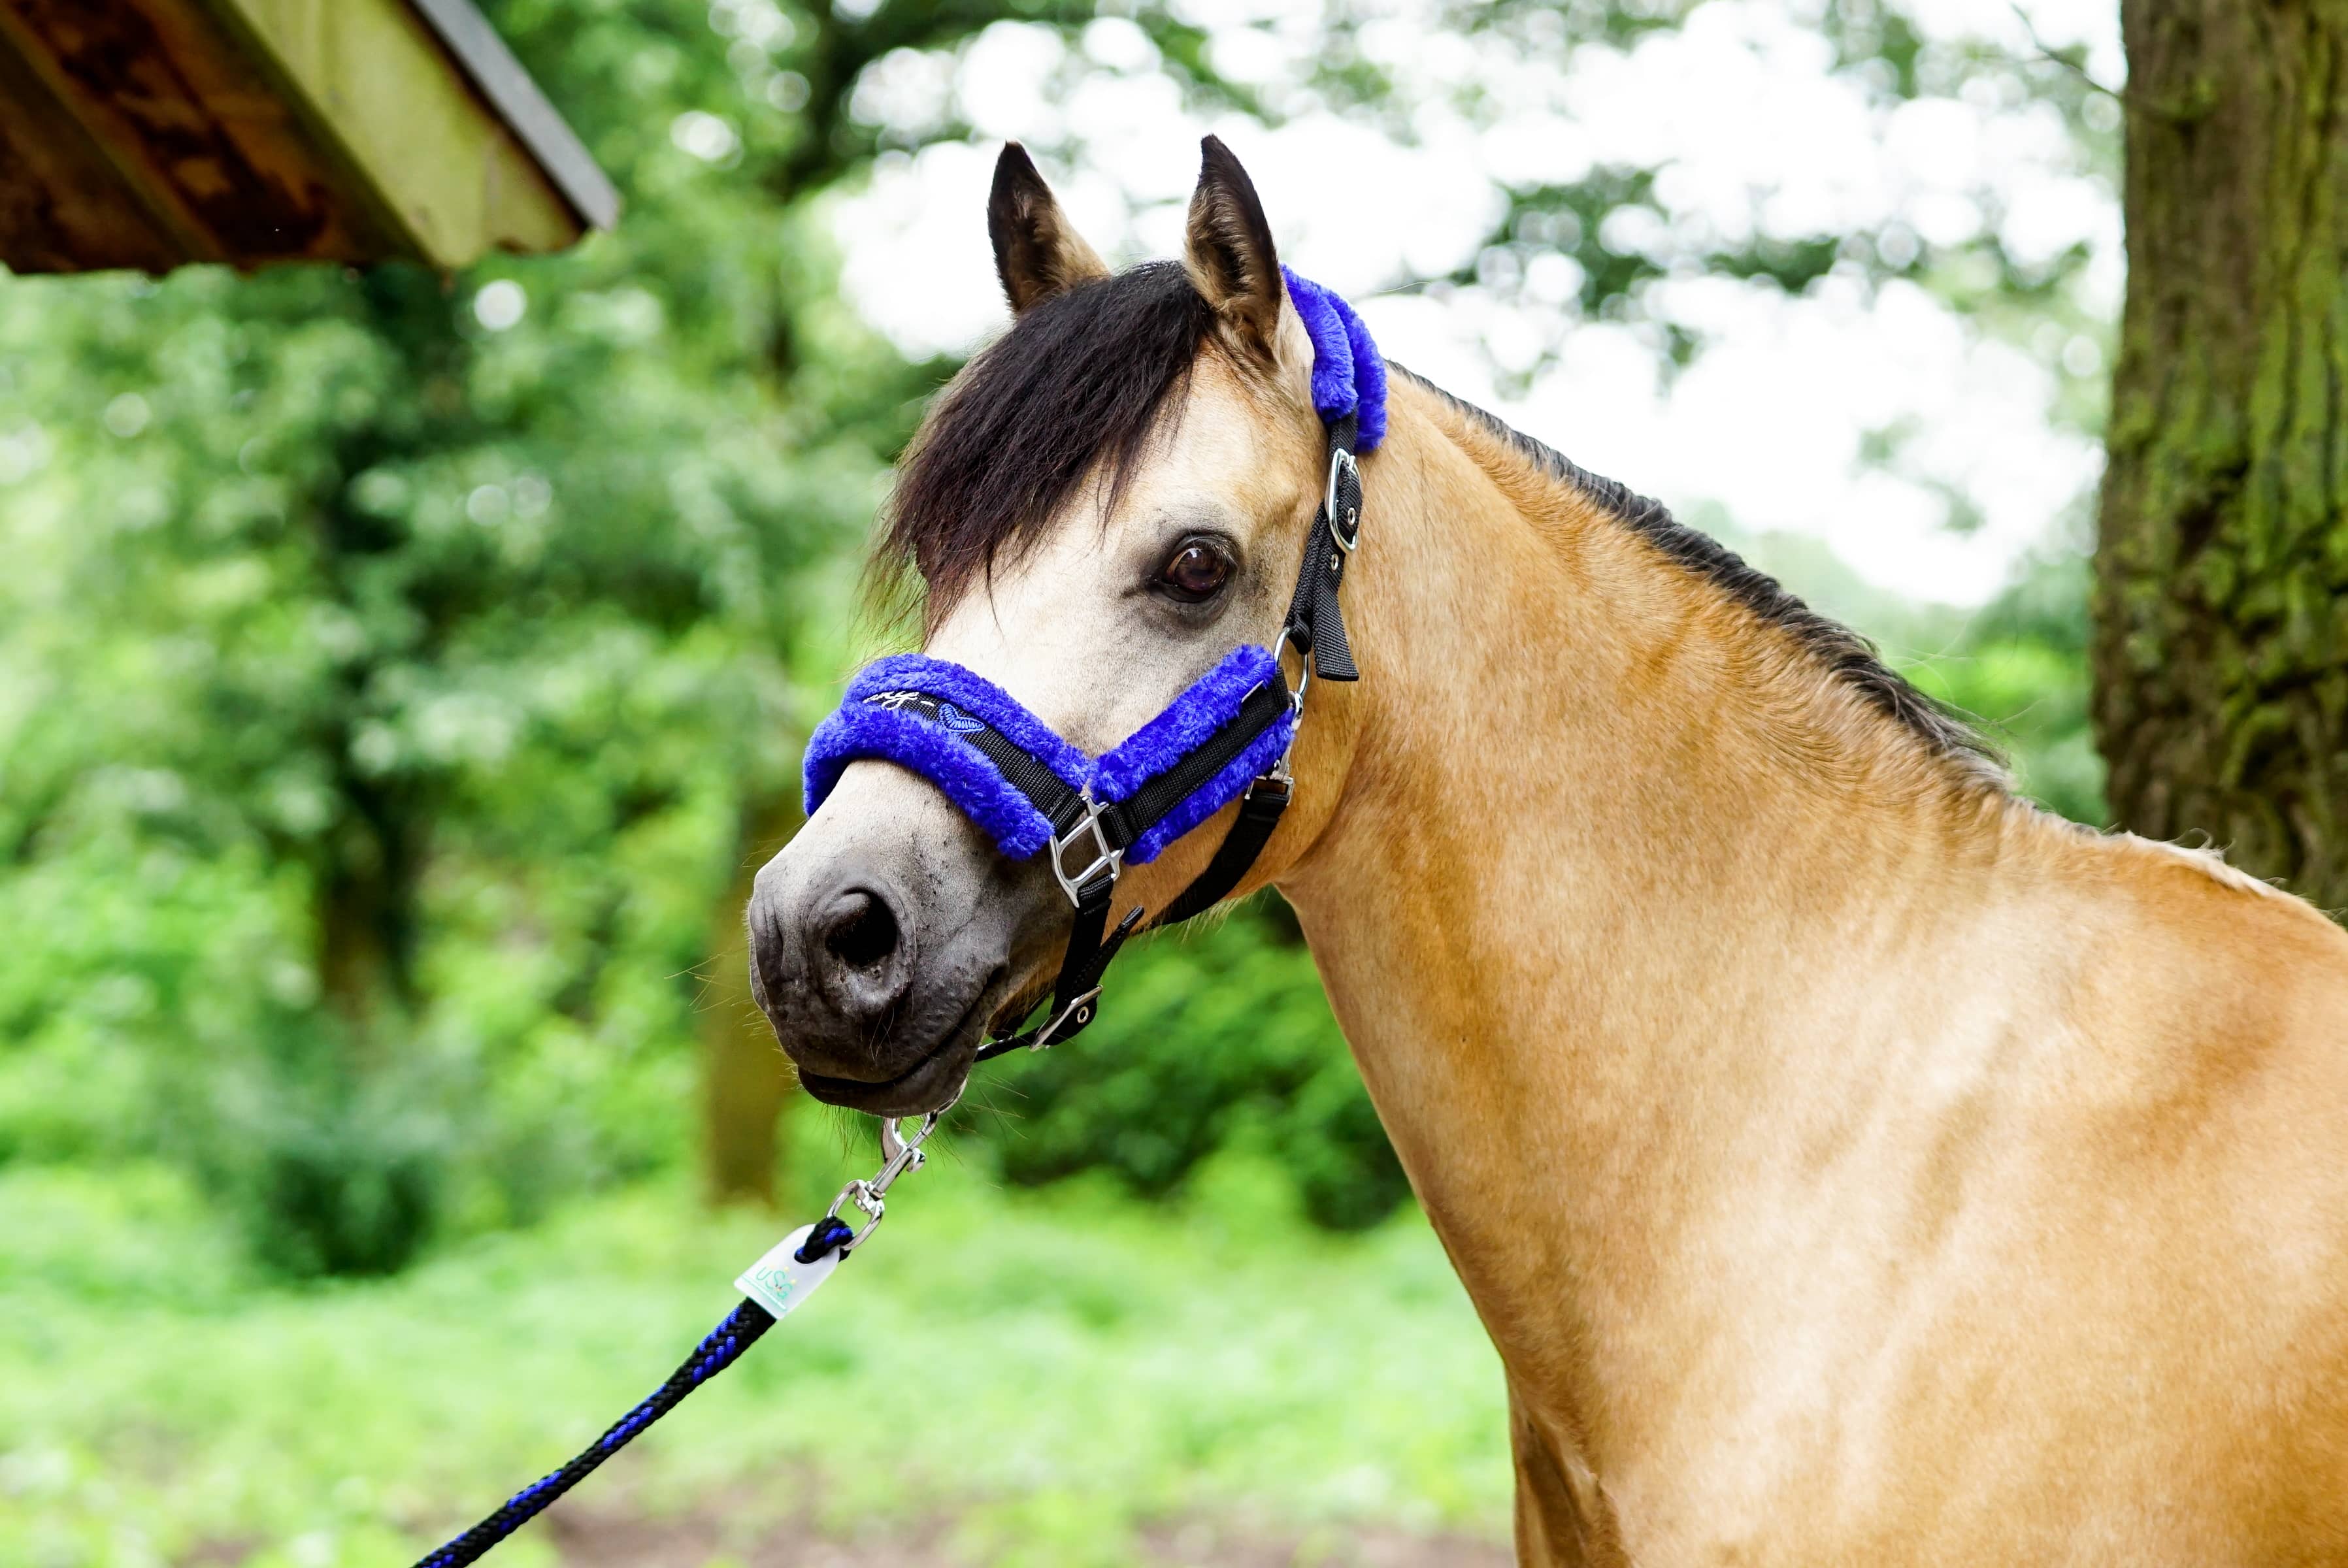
(1195, 573)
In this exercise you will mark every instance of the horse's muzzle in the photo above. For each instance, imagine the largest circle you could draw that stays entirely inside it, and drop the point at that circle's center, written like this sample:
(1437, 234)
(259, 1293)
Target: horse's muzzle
(882, 941)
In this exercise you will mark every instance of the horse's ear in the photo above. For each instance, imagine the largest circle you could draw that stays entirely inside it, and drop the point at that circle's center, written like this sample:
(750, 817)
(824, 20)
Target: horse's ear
(1037, 253)
(1230, 256)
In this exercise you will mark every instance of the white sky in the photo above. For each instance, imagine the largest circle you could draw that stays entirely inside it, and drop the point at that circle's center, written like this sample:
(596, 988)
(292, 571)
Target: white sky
(1766, 425)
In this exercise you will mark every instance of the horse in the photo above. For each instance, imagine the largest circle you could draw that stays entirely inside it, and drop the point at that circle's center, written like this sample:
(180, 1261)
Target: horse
(1851, 1161)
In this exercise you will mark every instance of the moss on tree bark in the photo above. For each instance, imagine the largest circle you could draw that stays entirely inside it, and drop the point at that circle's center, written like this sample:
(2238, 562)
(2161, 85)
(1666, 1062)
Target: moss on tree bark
(2222, 596)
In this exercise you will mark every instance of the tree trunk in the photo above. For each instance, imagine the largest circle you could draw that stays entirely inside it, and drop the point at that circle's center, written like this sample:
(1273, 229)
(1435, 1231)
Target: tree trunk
(2221, 593)
(745, 1079)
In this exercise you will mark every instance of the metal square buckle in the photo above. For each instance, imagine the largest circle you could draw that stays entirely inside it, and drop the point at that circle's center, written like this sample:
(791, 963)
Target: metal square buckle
(1103, 858)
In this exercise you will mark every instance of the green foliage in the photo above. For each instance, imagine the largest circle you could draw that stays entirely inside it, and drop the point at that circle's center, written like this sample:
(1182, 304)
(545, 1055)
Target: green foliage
(1624, 239)
(341, 1191)
(2021, 665)
(397, 660)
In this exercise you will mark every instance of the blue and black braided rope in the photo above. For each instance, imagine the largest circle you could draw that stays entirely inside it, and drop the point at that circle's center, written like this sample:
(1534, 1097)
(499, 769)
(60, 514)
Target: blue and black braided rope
(721, 1350)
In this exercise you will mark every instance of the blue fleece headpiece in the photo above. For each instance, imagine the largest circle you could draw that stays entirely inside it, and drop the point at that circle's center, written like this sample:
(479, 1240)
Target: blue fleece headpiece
(921, 712)
(1349, 374)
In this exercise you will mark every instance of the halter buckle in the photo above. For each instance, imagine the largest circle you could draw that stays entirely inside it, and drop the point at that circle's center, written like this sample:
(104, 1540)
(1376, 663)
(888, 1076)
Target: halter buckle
(1347, 531)
(1103, 858)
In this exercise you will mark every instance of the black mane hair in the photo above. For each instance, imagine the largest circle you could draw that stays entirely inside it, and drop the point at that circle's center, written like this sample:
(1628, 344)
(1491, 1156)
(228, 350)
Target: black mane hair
(1080, 379)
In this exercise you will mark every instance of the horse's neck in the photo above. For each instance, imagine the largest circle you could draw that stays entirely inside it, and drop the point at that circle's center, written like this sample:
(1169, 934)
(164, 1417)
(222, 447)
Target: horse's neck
(1617, 896)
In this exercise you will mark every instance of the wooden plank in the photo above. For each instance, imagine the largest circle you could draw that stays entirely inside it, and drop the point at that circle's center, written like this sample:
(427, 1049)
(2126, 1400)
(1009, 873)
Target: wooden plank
(64, 206)
(198, 131)
(433, 150)
(147, 133)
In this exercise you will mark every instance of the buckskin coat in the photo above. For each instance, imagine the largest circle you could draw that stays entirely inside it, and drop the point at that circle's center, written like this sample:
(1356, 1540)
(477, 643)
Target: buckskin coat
(1853, 1164)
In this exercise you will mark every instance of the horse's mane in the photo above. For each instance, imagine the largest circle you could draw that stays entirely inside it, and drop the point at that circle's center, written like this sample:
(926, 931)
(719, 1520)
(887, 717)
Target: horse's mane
(1082, 379)
(1847, 656)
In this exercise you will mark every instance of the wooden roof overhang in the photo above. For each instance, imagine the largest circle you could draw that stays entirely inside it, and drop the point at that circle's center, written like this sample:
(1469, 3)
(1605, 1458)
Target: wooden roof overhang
(148, 133)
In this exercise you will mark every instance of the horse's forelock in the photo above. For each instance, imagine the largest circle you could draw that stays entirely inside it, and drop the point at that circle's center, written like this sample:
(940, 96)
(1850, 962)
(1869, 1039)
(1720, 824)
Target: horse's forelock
(1073, 388)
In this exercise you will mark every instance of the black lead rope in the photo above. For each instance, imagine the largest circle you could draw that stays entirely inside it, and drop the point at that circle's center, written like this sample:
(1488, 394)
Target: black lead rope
(1316, 628)
(721, 1350)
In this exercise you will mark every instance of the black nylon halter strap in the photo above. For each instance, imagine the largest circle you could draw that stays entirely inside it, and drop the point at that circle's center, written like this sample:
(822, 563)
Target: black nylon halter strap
(1113, 829)
(1316, 628)
(1260, 809)
(1316, 625)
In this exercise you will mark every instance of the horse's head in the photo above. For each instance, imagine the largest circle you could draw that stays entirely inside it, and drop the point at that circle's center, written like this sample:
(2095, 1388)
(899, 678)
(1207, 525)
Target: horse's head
(1106, 504)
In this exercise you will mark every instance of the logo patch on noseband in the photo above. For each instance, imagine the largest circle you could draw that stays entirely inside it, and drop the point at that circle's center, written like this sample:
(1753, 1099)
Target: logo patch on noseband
(936, 710)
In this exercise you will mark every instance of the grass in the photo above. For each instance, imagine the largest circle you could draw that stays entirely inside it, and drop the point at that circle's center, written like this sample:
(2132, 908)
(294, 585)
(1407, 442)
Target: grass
(1040, 1378)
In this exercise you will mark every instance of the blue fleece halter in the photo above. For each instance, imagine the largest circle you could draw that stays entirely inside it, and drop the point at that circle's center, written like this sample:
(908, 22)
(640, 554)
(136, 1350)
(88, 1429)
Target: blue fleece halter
(1226, 737)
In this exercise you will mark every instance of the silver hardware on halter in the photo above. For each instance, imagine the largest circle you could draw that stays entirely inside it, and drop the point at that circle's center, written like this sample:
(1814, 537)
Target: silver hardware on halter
(900, 1156)
(1341, 462)
(1104, 858)
(1080, 1009)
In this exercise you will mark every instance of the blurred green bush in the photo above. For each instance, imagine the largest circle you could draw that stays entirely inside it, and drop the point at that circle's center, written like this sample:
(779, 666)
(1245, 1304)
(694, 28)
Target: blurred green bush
(391, 687)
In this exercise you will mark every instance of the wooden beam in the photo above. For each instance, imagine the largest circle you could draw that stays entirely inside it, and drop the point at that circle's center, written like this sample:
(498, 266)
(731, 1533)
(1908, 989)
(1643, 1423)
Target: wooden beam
(493, 70)
(196, 133)
(147, 133)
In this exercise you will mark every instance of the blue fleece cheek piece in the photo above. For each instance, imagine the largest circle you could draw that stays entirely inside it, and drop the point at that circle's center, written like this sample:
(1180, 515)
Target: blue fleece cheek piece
(1216, 793)
(1210, 702)
(1349, 374)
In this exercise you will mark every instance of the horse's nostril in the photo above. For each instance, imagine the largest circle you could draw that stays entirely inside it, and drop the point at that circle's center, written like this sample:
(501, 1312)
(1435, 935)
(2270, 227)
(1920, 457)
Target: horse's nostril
(861, 931)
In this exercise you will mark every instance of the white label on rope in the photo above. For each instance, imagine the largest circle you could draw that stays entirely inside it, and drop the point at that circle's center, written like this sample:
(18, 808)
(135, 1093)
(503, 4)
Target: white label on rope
(779, 1282)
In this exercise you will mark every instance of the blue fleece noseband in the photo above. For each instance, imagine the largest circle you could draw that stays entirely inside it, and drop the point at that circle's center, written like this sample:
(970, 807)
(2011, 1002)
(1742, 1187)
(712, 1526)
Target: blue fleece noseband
(1226, 738)
(886, 716)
